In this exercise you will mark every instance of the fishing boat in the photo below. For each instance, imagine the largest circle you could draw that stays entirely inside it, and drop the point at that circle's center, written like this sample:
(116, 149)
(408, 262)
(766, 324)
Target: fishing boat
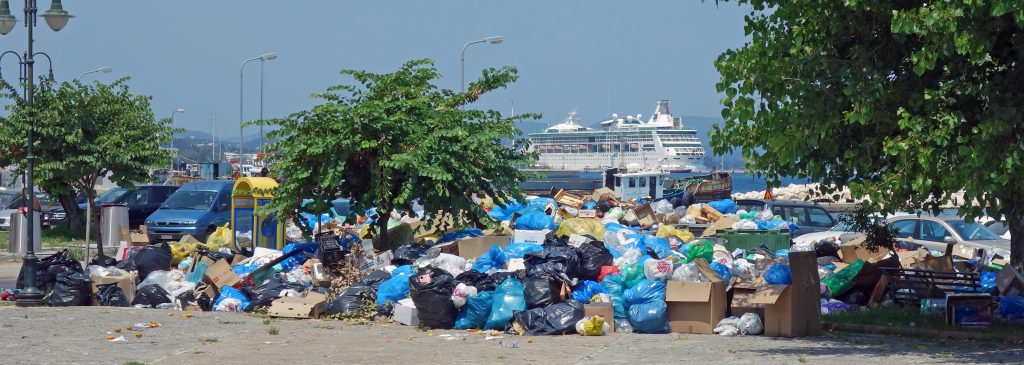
(704, 188)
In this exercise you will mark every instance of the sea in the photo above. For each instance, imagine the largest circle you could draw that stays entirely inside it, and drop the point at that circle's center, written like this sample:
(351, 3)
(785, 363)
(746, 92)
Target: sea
(742, 182)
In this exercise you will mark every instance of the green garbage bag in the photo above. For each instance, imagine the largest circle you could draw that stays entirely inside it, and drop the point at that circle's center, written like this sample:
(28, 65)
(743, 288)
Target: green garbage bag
(632, 275)
(702, 249)
(842, 280)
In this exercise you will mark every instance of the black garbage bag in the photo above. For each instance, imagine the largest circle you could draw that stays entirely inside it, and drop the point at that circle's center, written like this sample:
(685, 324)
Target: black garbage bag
(408, 254)
(72, 289)
(431, 290)
(103, 260)
(489, 282)
(152, 258)
(111, 295)
(351, 299)
(47, 269)
(374, 278)
(151, 295)
(204, 302)
(215, 255)
(560, 259)
(555, 319)
(274, 289)
(593, 255)
(544, 289)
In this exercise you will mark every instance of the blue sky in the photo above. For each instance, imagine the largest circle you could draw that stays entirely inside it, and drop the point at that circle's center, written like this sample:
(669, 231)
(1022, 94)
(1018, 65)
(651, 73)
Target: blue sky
(599, 57)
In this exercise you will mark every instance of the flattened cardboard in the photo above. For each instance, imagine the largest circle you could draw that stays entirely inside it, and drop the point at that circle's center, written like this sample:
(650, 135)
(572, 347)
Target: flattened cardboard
(605, 310)
(855, 249)
(1010, 282)
(793, 310)
(310, 305)
(530, 236)
(126, 282)
(472, 248)
(219, 274)
(696, 307)
(720, 225)
(238, 259)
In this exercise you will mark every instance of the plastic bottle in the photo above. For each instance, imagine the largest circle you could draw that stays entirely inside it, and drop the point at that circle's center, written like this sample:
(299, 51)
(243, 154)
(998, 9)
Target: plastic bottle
(623, 326)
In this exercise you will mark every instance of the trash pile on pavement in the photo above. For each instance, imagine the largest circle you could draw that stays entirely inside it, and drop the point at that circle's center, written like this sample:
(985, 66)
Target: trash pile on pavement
(558, 265)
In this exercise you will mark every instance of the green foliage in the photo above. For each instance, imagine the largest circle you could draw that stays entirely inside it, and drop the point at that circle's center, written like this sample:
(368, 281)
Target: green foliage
(394, 137)
(907, 102)
(82, 132)
(877, 233)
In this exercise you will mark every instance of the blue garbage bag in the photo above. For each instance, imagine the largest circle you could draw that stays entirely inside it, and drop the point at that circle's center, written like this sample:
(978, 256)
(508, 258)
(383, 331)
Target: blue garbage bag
(793, 227)
(1011, 307)
(396, 288)
(586, 289)
(660, 246)
(465, 233)
(616, 228)
(504, 212)
(520, 249)
(590, 205)
(535, 220)
(347, 239)
(615, 288)
(297, 259)
(244, 270)
(474, 314)
(227, 292)
(509, 298)
(724, 206)
(778, 273)
(722, 271)
(782, 253)
(988, 280)
(492, 259)
(773, 224)
(646, 308)
(542, 202)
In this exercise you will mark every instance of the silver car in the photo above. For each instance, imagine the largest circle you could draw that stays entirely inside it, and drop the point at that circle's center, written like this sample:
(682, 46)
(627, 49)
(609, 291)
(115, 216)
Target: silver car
(935, 233)
(8, 206)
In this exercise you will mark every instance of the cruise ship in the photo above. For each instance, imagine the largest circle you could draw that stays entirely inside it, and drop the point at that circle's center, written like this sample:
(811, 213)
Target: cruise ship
(660, 143)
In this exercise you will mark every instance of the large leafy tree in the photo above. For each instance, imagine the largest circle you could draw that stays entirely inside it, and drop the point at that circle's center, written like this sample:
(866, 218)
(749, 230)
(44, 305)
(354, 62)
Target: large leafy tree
(83, 133)
(395, 137)
(907, 102)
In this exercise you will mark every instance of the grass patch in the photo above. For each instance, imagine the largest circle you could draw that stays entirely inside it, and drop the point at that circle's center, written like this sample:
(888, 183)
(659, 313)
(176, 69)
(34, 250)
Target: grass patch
(912, 323)
(55, 238)
(8, 325)
(134, 363)
(266, 322)
(273, 331)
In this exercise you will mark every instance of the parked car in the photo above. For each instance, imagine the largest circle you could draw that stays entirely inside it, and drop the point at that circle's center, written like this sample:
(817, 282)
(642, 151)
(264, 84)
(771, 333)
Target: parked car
(107, 197)
(8, 198)
(809, 216)
(998, 227)
(11, 201)
(196, 209)
(141, 201)
(935, 233)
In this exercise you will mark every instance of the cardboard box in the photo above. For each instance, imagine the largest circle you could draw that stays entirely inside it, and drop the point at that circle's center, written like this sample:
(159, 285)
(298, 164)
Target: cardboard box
(966, 252)
(856, 249)
(310, 305)
(405, 313)
(587, 213)
(126, 282)
(742, 293)
(472, 248)
(923, 260)
(719, 225)
(645, 215)
(219, 274)
(530, 236)
(603, 193)
(1010, 282)
(696, 307)
(793, 310)
(238, 258)
(605, 310)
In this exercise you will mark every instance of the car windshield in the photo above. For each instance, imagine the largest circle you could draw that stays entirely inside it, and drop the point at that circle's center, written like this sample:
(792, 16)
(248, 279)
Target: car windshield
(190, 200)
(111, 195)
(972, 231)
(6, 199)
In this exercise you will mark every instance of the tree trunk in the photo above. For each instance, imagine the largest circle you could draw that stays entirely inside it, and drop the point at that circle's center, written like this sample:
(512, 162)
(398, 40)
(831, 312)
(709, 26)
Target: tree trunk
(382, 226)
(74, 218)
(1015, 221)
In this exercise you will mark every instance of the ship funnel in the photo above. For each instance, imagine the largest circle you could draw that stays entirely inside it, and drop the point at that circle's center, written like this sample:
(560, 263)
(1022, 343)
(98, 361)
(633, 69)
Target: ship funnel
(662, 107)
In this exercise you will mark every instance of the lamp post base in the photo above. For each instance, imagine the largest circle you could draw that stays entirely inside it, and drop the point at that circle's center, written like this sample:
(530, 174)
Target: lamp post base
(30, 296)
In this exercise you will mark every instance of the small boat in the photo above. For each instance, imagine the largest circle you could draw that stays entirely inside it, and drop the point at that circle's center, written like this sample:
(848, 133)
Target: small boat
(705, 188)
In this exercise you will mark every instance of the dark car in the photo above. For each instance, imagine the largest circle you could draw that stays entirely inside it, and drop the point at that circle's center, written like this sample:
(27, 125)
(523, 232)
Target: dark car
(809, 216)
(142, 201)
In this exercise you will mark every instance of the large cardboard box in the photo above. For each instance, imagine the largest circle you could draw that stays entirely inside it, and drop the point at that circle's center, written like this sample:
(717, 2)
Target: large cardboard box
(126, 282)
(219, 273)
(742, 293)
(530, 236)
(696, 307)
(309, 305)
(793, 310)
(965, 252)
(472, 248)
(605, 310)
(645, 215)
(1010, 282)
(857, 249)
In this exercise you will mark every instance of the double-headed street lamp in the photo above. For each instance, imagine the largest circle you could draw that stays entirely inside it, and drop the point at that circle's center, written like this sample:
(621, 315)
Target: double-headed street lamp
(56, 18)
(105, 70)
(462, 57)
(241, 100)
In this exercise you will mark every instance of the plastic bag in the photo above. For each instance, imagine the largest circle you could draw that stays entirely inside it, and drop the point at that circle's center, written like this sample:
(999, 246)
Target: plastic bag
(277, 287)
(842, 280)
(742, 268)
(297, 259)
(1011, 307)
(728, 327)
(646, 307)
(508, 299)
(560, 259)
(724, 206)
(666, 231)
(151, 296)
(152, 258)
(587, 289)
(607, 270)
(657, 269)
(374, 279)
(700, 249)
(222, 237)
(455, 236)
(231, 300)
(689, 272)
(581, 226)
(749, 324)
(474, 314)
(616, 289)
(593, 326)
(535, 220)
(593, 256)
(72, 289)
(722, 271)
(520, 249)
(111, 295)
(555, 319)
(179, 251)
(462, 293)
(431, 291)
(493, 259)
(988, 280)
(351, 299)
(454, 265)
(778, 273)
(544, 288)
(409, 253)
(632, 274)
(504, 212)
(397, 287)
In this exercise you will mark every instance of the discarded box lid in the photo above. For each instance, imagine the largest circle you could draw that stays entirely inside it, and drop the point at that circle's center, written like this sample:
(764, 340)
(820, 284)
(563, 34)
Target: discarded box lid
(310, 305)
(769, 294)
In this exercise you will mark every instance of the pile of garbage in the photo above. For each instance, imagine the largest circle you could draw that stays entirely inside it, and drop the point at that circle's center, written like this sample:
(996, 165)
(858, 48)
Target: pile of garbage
(565, 264)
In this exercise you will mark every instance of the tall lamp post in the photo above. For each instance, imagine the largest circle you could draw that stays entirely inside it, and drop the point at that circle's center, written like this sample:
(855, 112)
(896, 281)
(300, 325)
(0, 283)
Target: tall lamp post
(56, 18)
(462, 57)
(179, 110)
(241, 100)
(105, 70)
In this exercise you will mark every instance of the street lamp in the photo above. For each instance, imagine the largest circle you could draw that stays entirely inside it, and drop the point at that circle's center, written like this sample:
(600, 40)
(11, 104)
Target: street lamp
(56, 18)
(462, 58)
(105, 70)
(179, 110)
(241, 99)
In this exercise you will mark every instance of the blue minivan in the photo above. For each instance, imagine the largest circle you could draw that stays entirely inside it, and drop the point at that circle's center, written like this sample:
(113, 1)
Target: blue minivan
(196, 209)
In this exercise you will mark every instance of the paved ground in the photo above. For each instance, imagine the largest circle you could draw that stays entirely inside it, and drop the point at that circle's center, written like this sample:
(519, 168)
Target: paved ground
(78, 335)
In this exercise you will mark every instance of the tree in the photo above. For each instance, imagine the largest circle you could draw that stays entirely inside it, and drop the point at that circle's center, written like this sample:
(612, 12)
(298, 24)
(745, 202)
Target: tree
(907, 102)
(395, 137)
(83, 133)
